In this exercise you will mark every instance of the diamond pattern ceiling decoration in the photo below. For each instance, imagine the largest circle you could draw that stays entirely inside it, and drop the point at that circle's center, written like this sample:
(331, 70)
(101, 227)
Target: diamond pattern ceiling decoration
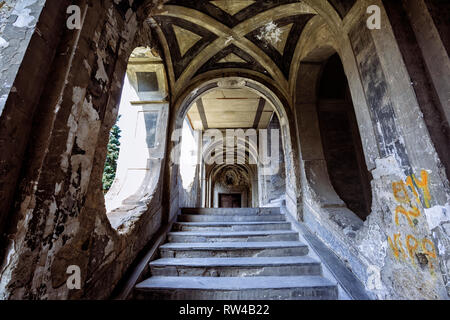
(282, 51)
(244, 60)
(220, 10)
(342, 6)
(183, 54)
(284, 35)
(185, 38)
(232, 58)
(250, 37)
(232, 6)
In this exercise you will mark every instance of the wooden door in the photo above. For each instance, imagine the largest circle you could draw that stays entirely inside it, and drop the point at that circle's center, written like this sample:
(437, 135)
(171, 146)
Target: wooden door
(231, 200)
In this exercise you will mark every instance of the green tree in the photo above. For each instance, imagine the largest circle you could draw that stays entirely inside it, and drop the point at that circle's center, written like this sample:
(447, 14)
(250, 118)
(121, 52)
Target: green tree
(109, 172)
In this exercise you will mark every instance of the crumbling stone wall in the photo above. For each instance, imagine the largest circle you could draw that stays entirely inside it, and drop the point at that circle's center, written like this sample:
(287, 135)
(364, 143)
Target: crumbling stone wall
(426, 63)
(60, 120)
(24, 85)
(17, 23)
(401, 250)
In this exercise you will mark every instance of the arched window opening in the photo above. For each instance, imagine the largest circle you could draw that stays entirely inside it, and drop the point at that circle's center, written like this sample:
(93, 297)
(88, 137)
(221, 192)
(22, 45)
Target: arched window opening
(341, 140)
(141, 125)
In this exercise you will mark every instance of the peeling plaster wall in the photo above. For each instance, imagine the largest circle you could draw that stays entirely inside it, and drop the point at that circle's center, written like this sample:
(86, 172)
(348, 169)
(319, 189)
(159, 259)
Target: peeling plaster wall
(401, 250)
(59, 219)
(17, 24)
(28, 83)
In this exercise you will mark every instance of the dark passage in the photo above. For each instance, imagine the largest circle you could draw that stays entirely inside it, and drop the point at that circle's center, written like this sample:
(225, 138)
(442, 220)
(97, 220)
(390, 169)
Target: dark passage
(229, 200)
(341, 140)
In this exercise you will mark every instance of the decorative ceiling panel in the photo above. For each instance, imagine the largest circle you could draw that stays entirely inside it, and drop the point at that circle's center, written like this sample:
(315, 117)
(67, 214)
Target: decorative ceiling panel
(278, 39)
(232, 7)
(185, 39)
(232, 57)
(231, 12)
(342, 6)
(260, 36)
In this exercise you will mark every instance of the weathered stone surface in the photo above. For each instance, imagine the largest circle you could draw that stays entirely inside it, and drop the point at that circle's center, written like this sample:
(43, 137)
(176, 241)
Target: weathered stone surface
(59, 97)
(220, 268)
(276, 288)
(66, 224)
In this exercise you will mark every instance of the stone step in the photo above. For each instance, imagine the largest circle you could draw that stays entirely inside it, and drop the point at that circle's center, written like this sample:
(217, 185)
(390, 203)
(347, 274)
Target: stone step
(233, 236)
(236, 288)
(227, 218)
(231, 211)
(231, 226)
(236, 267)
(233, 249)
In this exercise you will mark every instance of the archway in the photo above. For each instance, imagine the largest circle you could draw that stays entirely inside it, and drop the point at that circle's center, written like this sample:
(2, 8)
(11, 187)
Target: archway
(341, 140)
(326, 112)
(281, 110)
(230, 186)
(240, 177)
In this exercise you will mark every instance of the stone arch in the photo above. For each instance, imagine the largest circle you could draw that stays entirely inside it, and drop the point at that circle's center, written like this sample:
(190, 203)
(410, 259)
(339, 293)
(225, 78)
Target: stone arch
(243, 183)
(248, 162)
(55, 214)
(365, 66)
(319, 41)
(202, 84)
(315, 48)
(251, 150)
(316, 176)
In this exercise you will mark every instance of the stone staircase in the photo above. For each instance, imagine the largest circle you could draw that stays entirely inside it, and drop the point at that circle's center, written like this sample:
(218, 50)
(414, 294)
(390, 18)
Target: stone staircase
(247, 253)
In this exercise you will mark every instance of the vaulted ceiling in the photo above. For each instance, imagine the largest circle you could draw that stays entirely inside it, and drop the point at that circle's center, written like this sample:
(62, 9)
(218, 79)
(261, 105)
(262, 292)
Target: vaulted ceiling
(258, 36)
(230, 108)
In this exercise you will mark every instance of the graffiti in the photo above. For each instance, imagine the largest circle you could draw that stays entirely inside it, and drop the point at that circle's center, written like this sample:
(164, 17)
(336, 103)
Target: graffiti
(396, 246)
(422, 184)
(409, 214)
(426, 249)
(429, 252)
(400, 192)
(399, 189)
(411, 248)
